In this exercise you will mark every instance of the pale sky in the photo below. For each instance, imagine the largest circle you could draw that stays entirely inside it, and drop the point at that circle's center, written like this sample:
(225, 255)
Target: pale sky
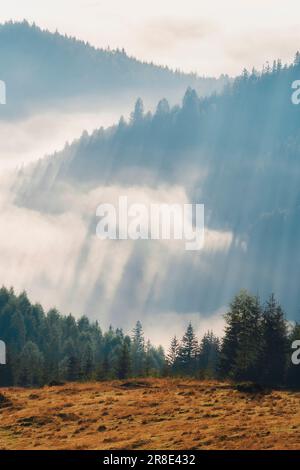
(207, 36)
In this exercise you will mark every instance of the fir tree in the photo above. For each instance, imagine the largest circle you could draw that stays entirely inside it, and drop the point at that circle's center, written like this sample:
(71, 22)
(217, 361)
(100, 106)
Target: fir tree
(297, 59)
(173, 354)
(138, 113)
(247, 364)
(188, 351)
(241, 344)
(274, 344)
(209, 351)
(138, 350)
(73, 369)
(124, 360)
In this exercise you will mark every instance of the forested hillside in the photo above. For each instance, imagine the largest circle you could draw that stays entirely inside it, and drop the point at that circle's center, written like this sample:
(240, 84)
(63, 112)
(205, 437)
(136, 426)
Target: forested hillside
(237, 152)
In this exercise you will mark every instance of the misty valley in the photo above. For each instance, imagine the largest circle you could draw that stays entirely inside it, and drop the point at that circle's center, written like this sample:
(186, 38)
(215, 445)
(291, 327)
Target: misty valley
(149, 239)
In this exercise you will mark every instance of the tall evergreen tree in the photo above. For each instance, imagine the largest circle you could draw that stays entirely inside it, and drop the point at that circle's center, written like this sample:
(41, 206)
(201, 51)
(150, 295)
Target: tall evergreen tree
(188, 351)
(124, 360)
(87, 362)
(31, 365)
(274, 344)
(173, 355)
(209, 352)
(247, 365)
(297, 59)
(230, 342)
(73, 369)
(138, 113)
(138, 350)
(241, 344)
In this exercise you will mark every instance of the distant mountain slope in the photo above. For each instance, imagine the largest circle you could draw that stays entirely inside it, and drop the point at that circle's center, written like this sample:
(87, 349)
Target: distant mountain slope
(238, 153)
(42, 68)
(247, 134)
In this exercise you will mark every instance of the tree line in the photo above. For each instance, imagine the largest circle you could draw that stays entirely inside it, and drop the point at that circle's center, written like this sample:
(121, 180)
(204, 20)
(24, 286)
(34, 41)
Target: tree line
(45, 348)
(49, 347)
(256, 346)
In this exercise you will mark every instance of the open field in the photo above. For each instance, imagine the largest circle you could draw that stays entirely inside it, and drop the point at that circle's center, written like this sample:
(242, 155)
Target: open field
(148, 414)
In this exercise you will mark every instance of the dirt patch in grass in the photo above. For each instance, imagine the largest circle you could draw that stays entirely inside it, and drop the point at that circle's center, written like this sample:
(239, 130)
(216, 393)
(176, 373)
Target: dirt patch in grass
(5, 402)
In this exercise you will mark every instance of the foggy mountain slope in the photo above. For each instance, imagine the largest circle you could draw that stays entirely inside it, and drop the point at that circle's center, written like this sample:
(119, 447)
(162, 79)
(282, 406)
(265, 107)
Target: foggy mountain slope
(61, 83)
(238, 153)
(44, 70)
(215, 147)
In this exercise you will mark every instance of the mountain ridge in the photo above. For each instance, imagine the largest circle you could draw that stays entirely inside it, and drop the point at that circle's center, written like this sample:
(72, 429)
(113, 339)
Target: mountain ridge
(57, 68)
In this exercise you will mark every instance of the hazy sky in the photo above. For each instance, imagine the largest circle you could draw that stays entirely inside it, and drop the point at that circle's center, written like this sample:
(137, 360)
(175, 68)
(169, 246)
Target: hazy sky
(207, 36)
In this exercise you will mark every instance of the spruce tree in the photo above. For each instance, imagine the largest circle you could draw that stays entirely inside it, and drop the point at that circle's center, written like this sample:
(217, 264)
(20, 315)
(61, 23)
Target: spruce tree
(149, 362)
(138, 350)
(188, 351)
(209, 351)
(242, 342)
(173, 355)
(124, 360)
(87, 362)
(274, 343)
(230, 343)
(247, 365)
(73, 369)
(137, 115)
(31, 365)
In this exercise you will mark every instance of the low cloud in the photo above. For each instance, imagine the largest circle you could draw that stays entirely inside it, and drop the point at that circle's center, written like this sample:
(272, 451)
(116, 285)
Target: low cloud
(32, 134)
(58, 259)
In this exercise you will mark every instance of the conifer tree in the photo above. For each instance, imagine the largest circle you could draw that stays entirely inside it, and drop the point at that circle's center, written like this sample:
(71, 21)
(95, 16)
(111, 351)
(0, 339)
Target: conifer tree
(138, 113)
(124, 360)
(173, 354)
(209, 351)
(188, 351)
(73, 369)
(241, 346)
(87, 362)
(31, 365)
(274, 344)
(247, 365)
(138, 350)
(230, 344)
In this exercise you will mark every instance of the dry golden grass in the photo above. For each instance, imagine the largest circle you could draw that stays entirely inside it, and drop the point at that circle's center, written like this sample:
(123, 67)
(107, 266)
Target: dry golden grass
(153, 414)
